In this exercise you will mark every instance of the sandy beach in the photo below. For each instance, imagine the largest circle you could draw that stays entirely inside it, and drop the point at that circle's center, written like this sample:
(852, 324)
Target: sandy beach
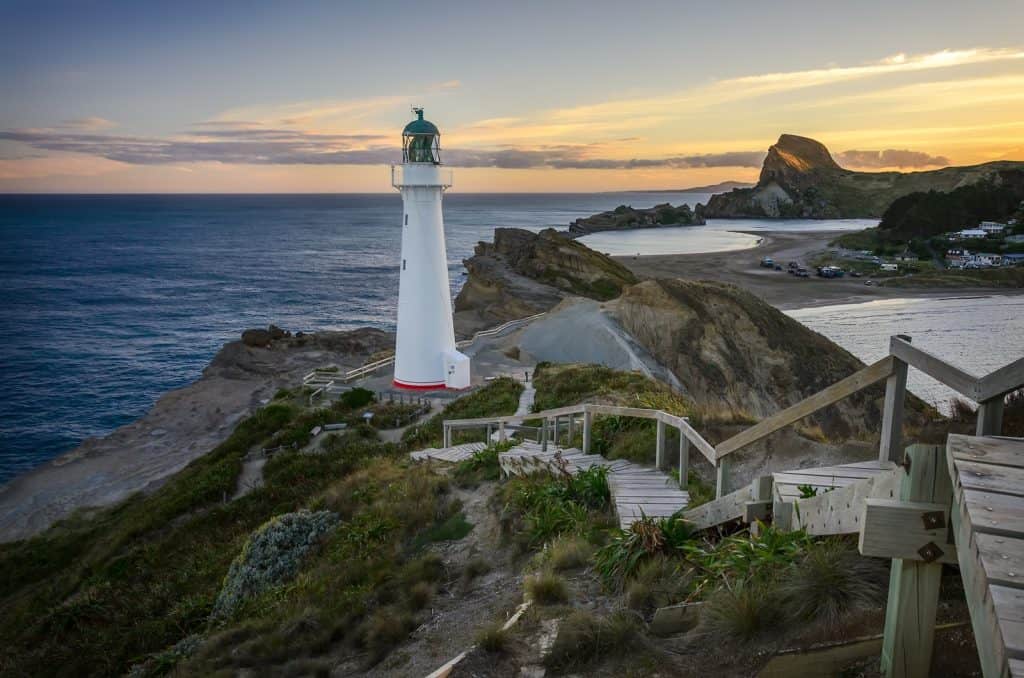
(778, 288)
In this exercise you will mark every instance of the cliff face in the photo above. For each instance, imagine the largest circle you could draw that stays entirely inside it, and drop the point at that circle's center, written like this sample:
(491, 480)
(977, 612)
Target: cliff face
(522, 273)
(799, 178)
(737, 356)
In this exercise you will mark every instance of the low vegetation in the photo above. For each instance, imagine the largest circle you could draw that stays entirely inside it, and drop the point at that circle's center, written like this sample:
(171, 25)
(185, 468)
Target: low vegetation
(541, 507)
(585, 639)
(500, 397)
(547, 588)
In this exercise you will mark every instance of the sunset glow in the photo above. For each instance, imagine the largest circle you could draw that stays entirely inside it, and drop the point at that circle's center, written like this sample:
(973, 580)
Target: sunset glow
(118, 98)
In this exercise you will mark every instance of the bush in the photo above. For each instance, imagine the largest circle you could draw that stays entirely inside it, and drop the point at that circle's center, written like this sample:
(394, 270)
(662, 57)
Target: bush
(270, 556)
(499, 397)
(549, 506)
(356, 398)
(547, 588)
(483, 465)
(831, 580)
(492, 638)
(621, 557)
(745, 613)
(569, 553)
(658, 582)
(583, 638)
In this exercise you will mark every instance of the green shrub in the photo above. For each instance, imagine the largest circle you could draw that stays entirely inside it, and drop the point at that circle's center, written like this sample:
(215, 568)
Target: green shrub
(584, 638)
(482, 465)
(622, 556)
(492, 638)
(659, 581)
(547, 588)
(270, 556)
(831, 580)
(745, 613)
(569, 553)
(551, 505)
(356, 398)
(499, 397)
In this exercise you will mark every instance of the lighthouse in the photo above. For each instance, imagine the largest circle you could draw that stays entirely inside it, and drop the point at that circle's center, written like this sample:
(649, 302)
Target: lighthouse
(425, 354)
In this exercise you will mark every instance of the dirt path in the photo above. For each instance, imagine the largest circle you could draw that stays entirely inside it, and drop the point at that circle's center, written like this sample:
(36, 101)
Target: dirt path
(461, 609)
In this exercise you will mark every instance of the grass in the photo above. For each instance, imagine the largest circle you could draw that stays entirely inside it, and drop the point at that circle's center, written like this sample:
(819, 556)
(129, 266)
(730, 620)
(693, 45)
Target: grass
(493, 639)
(986, 277)
(547, 588)
(830, 581)
(627, 550)
(542, 507)
(585, 638)
(569, 553)
(98, 593)
(482, 466)
(745, 613)
(499, 397)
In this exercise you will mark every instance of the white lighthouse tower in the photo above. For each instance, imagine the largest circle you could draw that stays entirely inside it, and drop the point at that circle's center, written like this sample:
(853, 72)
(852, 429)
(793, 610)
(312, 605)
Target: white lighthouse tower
(425, 355)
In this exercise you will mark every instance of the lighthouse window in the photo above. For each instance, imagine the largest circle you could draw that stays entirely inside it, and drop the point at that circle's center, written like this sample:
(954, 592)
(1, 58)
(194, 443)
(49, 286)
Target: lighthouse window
(406, 219)
(403, 264)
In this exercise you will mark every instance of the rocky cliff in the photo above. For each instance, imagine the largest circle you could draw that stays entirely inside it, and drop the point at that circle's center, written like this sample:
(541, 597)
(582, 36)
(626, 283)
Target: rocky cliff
(740, 358)
(799, 178)
(522, 273)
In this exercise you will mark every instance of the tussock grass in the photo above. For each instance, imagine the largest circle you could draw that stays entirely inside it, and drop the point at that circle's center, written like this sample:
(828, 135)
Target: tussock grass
(830, 581)
(493, 639)
(584, 638)
(547, 588)
(744, 613)
(659, 581)
(569, 553)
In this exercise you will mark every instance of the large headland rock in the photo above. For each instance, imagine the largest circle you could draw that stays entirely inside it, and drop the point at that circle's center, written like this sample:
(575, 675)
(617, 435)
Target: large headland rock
(522, 273)
(799, 178)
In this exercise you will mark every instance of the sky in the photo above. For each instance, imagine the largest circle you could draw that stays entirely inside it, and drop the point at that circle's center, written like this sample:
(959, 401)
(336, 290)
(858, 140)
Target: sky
(117, 97)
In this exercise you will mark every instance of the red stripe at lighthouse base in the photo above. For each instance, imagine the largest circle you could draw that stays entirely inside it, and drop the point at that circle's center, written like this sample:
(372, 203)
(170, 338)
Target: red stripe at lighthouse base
(419, 387)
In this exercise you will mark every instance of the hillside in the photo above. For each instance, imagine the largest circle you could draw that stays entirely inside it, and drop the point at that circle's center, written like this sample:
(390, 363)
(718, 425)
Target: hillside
(522, 273)
(799, 178)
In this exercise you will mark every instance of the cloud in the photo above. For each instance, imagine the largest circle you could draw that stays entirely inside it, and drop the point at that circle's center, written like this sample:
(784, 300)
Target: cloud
(890, 157)
(90, 123)
(273, 146)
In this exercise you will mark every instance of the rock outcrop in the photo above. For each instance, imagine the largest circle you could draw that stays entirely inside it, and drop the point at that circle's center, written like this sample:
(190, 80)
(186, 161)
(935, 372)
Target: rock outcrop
(739, 358)
(624, 218)
(522, 273)
(799, 178)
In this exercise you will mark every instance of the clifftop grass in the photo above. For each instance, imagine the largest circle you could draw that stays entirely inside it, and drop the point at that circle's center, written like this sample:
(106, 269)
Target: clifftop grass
(500, 397)
(135, 584)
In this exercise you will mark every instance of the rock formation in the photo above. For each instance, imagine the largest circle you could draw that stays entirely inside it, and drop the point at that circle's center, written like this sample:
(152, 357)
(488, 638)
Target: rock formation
(799, 178)
(522, 273)
(624, 218)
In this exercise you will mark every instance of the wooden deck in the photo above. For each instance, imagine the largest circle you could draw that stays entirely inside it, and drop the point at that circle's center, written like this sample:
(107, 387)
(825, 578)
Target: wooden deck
(988, 522)
(636, 490)
(787, 483)
(453, 454)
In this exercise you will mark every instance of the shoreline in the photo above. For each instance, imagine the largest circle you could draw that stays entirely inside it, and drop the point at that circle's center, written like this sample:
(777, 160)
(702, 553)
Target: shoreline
(785, 292)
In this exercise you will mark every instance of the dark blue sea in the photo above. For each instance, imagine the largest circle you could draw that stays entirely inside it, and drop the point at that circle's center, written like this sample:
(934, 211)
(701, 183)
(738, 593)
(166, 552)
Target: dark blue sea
(110, 301)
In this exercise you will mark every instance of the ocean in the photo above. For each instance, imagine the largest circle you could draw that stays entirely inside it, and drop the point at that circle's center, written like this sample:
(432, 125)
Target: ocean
(111, 301)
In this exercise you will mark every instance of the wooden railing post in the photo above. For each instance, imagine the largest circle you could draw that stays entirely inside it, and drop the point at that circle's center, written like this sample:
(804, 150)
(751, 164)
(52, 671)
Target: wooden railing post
(502, 436)
(721, 477)
(572, 428)
(684, 460)
(588, 420)
(659, 449)
(544, 435)
(914, 584)
(990, 417)
(890, 444)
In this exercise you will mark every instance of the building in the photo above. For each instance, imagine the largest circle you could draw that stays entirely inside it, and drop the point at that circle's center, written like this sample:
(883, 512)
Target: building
(992, 227)
(906, 255)
(425, 354)
(957, 258)
(1013, 259)
(1015, 238)
(984, 260)
(968, 233)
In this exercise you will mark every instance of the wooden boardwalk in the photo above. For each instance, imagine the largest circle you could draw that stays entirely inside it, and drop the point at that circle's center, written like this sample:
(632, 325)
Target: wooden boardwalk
(453, 454)
(988, 523)
(636, 490)
(823, 479)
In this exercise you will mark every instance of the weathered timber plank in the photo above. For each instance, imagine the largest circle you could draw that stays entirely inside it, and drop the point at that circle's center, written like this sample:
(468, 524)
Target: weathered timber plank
(957, 379)
(990, 478)
(1009, 608)
(895, 529)
(994, 513)
(1002, 557)
(839, 511)
(985, 450)
(834, 393)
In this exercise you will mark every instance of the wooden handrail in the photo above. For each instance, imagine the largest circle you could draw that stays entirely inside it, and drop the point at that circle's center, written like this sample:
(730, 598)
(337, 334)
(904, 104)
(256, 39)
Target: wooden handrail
(957, 379)
(857, 381)
(1002, 381)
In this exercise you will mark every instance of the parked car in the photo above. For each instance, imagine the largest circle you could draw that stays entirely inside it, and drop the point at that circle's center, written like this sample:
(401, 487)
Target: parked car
(802, 273)
(854, 274)
(793, 265)
(767, 262)
(869, 282)
(777, 267)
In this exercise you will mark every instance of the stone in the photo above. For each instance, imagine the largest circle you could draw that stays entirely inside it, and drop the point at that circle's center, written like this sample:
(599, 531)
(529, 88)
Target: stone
(256, 338)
